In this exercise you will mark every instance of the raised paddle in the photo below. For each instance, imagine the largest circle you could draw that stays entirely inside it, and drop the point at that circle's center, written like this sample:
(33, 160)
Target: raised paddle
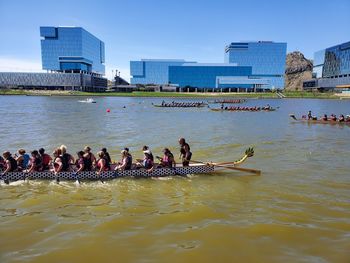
(248, 170)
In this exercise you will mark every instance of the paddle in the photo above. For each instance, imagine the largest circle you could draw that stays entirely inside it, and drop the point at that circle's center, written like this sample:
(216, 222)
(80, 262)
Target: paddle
(224, 163)
(57, 178)
(248, 170)
(99, 177)
(6, 181)
(77, 181)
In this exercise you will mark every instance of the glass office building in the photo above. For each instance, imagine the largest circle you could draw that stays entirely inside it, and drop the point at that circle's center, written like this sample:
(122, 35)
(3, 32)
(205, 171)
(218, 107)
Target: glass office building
(152, 71)
(73, 57)
(318, 63)
(267, 59)
(200, 75)
(71, 49)
(53, 81)
(331, 68)
(248, 65)
(337, 61)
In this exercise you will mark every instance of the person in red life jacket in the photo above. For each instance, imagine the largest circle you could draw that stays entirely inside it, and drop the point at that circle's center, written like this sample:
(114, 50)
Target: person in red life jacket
(185, 152)
(90, 162)
(333, 117)
(80, 162)
(36, 162)
(46, 159)
(10, 163)
(102, 163)
(325, 118)
(126, 162)
(168, 159)
(108, 157)
(341, 118)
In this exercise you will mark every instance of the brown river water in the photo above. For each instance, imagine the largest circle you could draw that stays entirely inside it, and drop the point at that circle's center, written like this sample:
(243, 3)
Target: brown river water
(298, 210)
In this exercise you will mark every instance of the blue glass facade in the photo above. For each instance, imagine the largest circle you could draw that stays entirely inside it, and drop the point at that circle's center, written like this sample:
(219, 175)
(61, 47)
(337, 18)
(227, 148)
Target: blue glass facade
(152, 71)
(332, 62)
(336, 61)
(71, 48)
(204, 75)
(331, 68)
(262, 62)
(266, 58)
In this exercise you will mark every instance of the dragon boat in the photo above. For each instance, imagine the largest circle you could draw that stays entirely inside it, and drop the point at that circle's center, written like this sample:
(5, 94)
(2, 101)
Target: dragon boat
(240, 110)
(230, 101)
(197, 168)
(181, 105)
(331, 122)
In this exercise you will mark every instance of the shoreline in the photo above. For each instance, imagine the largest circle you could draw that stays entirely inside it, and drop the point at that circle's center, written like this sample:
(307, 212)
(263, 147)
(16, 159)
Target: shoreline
(272, 95)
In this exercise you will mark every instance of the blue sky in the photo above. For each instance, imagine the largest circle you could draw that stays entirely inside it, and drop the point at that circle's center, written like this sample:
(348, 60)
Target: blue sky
(193, 30)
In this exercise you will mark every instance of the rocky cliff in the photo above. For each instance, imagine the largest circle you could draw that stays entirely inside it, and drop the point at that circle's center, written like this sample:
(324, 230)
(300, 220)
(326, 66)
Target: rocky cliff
(298, 68)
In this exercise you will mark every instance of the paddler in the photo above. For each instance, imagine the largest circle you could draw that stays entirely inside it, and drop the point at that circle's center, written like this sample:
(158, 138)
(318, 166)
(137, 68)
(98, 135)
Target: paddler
(147, 150)
(36, 162)
(10, 163)
(309, 115)
(22, 159)
(102, 163)
(126, 161)
(46, 159)
(168, 159)
(185, 152)
(90, 159)
(104, 150)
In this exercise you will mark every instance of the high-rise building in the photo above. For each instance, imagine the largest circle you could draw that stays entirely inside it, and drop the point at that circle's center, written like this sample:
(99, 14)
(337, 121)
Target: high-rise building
(71, 49)
(267, 59)
(152, 71)
(73, 57)
(249, 65)
(331, 68)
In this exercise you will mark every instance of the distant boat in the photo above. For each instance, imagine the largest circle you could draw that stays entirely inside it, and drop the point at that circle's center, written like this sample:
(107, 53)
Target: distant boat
(88, 100)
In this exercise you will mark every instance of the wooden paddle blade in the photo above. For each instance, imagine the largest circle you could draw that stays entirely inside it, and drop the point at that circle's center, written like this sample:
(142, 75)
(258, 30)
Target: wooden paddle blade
(248, 170)
(224, 163)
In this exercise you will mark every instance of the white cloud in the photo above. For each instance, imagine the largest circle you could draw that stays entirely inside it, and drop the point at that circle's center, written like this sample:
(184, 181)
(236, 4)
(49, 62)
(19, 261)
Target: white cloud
(19, 65)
